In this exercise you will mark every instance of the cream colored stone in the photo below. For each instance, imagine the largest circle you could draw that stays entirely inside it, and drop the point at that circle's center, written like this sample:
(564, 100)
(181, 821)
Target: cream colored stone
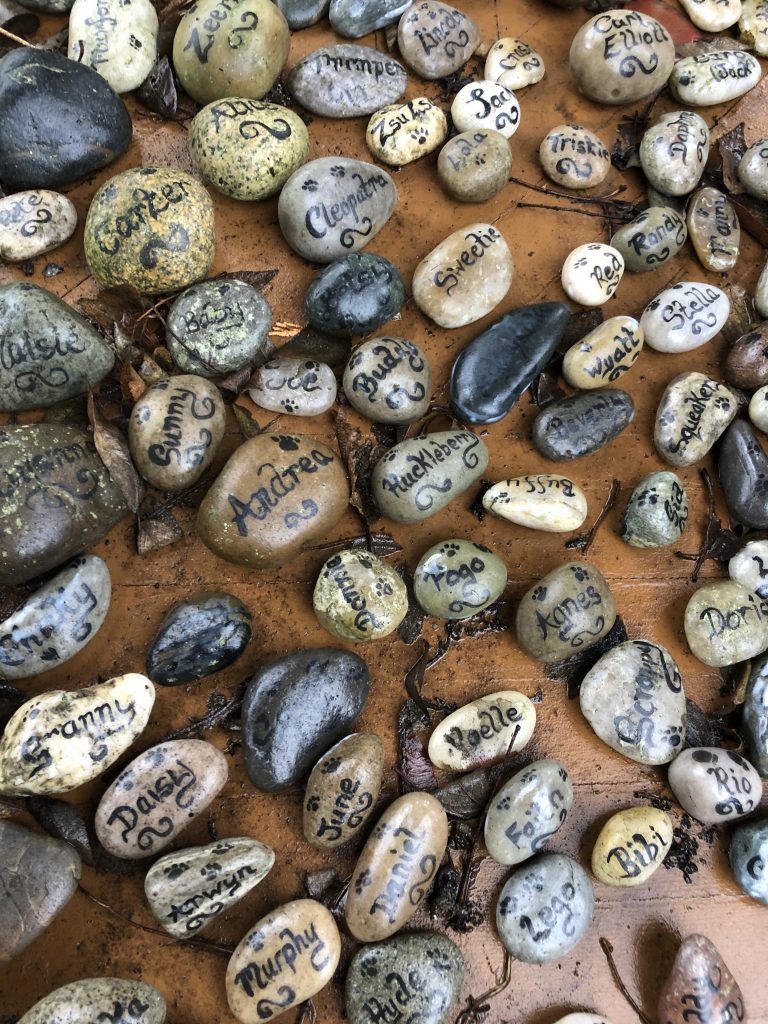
(591, 273)
(542, 501)
(404, 132)
(486, 730)
(514, 63)
(605, 354)
(631, 846)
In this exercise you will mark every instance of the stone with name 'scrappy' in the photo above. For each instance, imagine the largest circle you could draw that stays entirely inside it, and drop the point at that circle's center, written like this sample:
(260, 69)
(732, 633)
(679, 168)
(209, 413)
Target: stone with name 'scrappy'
(685, 316)
(717, 77)
(743, 470)
(714, 785)
(673, 152)
(527, 811)
(436, 39)
(346, 80)
(486, 730)
(582, 423)
(725, 623)
(359, 597)
(605, 354)
(692, 414)
(403, 132)
(700, 979)
(98, 999)
(342, 790)
(656, 512)
(541, 501)
(631, 846)
(574, 157)
(33, 223)
(456, 579)
(388, 380)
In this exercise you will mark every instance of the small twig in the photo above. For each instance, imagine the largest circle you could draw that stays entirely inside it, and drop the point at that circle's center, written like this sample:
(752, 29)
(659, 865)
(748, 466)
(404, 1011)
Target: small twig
(478, 1008)
(16, 39)
(583, 542)
(561, 209)
(308, 1013)
(211, 719)
(573, 198)
(607, 949)
(712, 526)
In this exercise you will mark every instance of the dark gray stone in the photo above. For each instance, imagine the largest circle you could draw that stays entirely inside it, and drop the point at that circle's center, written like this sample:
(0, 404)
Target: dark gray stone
(754, 720)
(355, 295)
(346, 80)
(749, 858)
(301, 13)
(582, 423)
(356, 18)
(743, 470)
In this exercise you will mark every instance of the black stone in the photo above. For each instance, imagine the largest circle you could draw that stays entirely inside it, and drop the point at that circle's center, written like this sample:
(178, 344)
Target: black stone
(295, 709)
(59, 120)
(582, 423)
(355, 295)
(495, 369)
(743, 469)
(198, 637)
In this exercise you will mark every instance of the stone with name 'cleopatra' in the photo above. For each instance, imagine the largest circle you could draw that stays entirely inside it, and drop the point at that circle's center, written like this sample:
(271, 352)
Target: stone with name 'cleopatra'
(631, 846)
(33, 223)
(656, 512)
(713, 227)
(117, 38)
(388, 380)
(403, 132)
(651, 240)
(582, 423)
(473, 166)
(692, 414)
(514, 63)
(700, 978)
(685, 316)
(709, 78)
(743, 470)
(725, 623)
(752, 170)
(605, 354)
(96, 999)
(527, 811)
(456, 579)
(486, 730)
(673, 152)
(591, 273)
(342, 791)
(540, 501)
(346, 80)
(714, 785)
(486, 104)
(301, 387)
(355, 295)
(574, 157)
(436, 39)
(359, 597)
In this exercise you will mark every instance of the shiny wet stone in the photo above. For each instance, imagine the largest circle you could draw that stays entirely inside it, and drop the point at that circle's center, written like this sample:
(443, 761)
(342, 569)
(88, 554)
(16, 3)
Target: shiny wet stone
(527, 811)
(388, 380)
(456, 579)
(714, 785)
(355, 295)
(631, 846)
(656, 513)
(692, 414)
(713, 227)
(33, 223)
(94, 999)
(743, 470)
(605, 354)
(653, 238)
(754, 720)
(725, 623)
(359, 597)
(699, 977)
(487, 729)
(748, 854)
(342, 791)
(582, 423)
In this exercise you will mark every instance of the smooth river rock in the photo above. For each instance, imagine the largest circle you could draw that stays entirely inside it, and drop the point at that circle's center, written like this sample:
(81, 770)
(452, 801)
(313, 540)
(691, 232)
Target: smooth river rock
(753, 26)
(750, 567)
(33, 223)
(63, 739)
(758, 409)
(403, 132)
(716, 77)
(713, 227)
(456, 579)
(473, 166)
(748, 854)
(486, 730)
(300, 387)
(714, 785)
(761, 292)
(527, 811)
(117, 38)
(388, 380)
(746, 364)
(486, 104)
(566, 612)
(673, 152)
(653, 238)
(582, 423)
(359, 597)
(700, 979)
(631, 846)
(725, 623)
(574, 157)
(355, 295)
(99, 999)
(605, 354)
(302, 13)
(634, 701)
(436, 39)
(752, 170)
(356, 18)
(743, 470)
(396, 866)
(542, 501)
(591, 273)
(692, 414)
(514, 63)
(295, 708)
(57, 620)
(754, 716)
(157, 795)
(685, 316)
(712, 15)
(345, 80)
(656, 512)
(342, 791)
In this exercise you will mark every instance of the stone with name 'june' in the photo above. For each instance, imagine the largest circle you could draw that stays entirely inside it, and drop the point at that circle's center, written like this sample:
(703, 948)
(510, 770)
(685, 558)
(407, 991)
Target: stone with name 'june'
(692, 414)
(473, 166)
(605, 354)
(656, 512)
(355, 295)
(750, 567)
(527, 811)
(359, 597)
(700, 979)
(346, 80)
(673, 152)
(541, 501)
(685, 316)
(436, 39)
(342, 791)
(753, 26)
(117, 38)
(396, 867)
(356, 18)
(33, 223)
(631, 845)
(714, 785)
(591, 273)
(404, 132)
(582, 423)
(486, 104)
(653, 238)
(743, 470)
(486, 730)
(725, 623)
(458, 578)
(752, 170)
(301, 387)
(746, 364)
(716, 77)
(388, 380)
(62, 739)
(713, 227)
(748, 854)
(514, 63)
(758, 409)
(98, 999)
(574, 157)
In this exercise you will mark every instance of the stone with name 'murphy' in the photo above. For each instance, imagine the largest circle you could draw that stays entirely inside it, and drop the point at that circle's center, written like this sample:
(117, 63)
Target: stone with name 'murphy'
(346, 80)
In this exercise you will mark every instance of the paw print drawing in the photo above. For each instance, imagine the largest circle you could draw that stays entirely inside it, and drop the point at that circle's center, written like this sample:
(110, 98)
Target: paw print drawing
(580, 573)
(289, 405)
(419, 135)
(331, 766)
(383, 588)
(338, 171)
(504, 804)
(310, 185)
(362, 881)
(175, 870)
(211, 869)
(313, 803)
(449, 550)
(539, 594)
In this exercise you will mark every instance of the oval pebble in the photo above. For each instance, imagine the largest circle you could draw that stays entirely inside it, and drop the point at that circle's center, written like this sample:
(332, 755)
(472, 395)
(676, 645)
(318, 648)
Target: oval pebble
(117, 38)
(713, 227)
(527, 811)
(301, 387)
(436, 39)
(591, 273)
(473, 166)
(95, 999)
(673, 152)
(605, 354)
(404, 132)
(692, 414)
(650, 240)
(746, 364)
(631, 846)
(574, 157)
(684, 316)
(33, 223)
(656, 512)
(359, 597)
(582, 423)
(758, 409)
(542, 501)
(710, 78)
(752, 170)
(725, 623)
(514, 63)
(742, 466)
(714, 785)
(342, 791)
(355, 295)
(486, 730)
(346, 80)
(486, 104)
(712, 15)
(748, 854)
(456, 579)
(388, 380)
(750, 567)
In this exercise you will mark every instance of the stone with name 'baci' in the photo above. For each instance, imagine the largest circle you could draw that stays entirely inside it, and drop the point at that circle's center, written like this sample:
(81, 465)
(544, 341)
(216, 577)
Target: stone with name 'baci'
(692, 414)
(355, 295)
(700, 979)
(717, 77)
(750, 567)
(346, 80)
(388, 380)
(436, 39)
(605, 354)
(582, 423)
(456, 579)
(527, 811)
(98, 999)
(342, 791)
(743, 470)
(752, 170)
(514, 63)
(117, 38)
(33, 223)
(359, 597)
(403, 132)
(541, 501)
(746, 364)
(713, 227)
(574, 157)
(486, 104)
(591, 273)
(754, 716)
(673, 152)
(653, 238)
(725, 623)
(631, 845)
(714, 785)
(356, 18)
(301, 387)
(473, 166)
(748, 854)
(685, 316)
(656, 512)
(753, 26)
(486, 730)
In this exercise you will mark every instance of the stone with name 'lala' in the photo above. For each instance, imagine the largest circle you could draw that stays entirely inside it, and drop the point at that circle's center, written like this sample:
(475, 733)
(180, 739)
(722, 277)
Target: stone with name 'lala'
(527, 811)
(748, 854)
(566, 612)
(436, 39)
(117, 38)
(725, 623)
(356, 18)
(582, 423)
(746, 364)
(692, 414)
(752, 170)
(63, 739)
(420, 476)
(684, 316)
(333, 206)
(758, 409)
(743, 470)
(473, 166)
(544, 909)
(713, 227)
(653, 238)
(187, 889)
(276, 494)
(750, 567)
(486, 730)
(355, 295)
(514, 63)
(388, 380)
(712, 15)
(287, 957)
(753, 26)
(395, 869)
(175, 430)
(33, 223)
(97, 999)
(717, 77)
(301, 387)
(714, 785)
(456, 579)
(346, 80)
(591, 273)
(541, 501)
(57, 620)
(631, 845)
(486, 104)
(342, 791)
(700, 979)
(673, 152)
(574, 157)
(403, 132)
(157, 795)
(605, 354)
(634, 701)
(464, 277)
(359, 597)
(656, 512)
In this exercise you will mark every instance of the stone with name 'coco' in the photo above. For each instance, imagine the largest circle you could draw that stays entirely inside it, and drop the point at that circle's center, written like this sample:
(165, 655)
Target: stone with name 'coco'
(656, 512)
(436, 39)
(33, 223)
(540, 501)
(750, 567)
(714, 785)
(748, 854)
(582, 423)
(301, 387)
(486, 730)
(359, 597)
(514, 63)
(591, 273)
(631, 845)
(717, 77)
(753, 26)
(527, 811)
(388, 380)
(486, 104)
(713, 227)
(117, 38)
(725, 623)
(97, 999)
(456, 579)
(743, 470)
(653, 238)
(673, 152)
(712, 15)
(404, 132)
(473, 166)
(355, 295)
(356, 18)
(758, 409)
(752, 170)
(342, 791)
(700, 978)
(692, 414)
(746, 364)
(346, 80)
(684, 316)
(605, 354)
(574, 157)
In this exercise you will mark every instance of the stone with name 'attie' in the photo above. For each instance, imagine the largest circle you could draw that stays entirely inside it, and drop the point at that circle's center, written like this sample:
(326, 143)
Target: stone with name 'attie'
(396, 867)
(582, 423)
(746, 364)
(656, 512)
(474, 166)
(527, 811)
(187, 889)
(514, 63)
(685, 316)
(673, 152)
(711, 78)
(713, 227)
(754, 716)
(63, 739)
(456, 579)
(355, 295)
(342, 790)
(605, 354)
(151, 228)
(301, 387)
(545, 909)
(493, 371)
(700, 979)
(753, 26)
(388, 380)
(356, 18)
(725, 623)
(752, 170)
(157, 795)
(57, 620)
(436, 39)
(33, 223)
(359, 597)
(287, 957)
(276, 494)
(714, 785)
(692, 414)
(750, 567)
(566, 612)
(117, 38)
(541, 501)
(743, 470)
(334, 205)
(591, 273)
(621, 56)
(404, 132)
(98, 999)
(574, 157)
(420, 476)
(748, 854)
(758, 409)
(631, 845)
(486, 104)
(634, 701)
(421, 972)
(482, 732)
(653, 238)
(346, 80)
(49, 352)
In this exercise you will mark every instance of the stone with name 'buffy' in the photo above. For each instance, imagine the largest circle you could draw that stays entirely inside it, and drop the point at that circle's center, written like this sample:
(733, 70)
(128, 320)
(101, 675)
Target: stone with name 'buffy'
(712, 15)
(456, 579)
(473, 166)
(753, 26)
(514, 63)
(752, 170)
(746, 364)
(605, 354)
(527, 811)
(711, 78)
(486, 730)
(743, 470)
(591, 273)
(574, 157)
(420, 476)
(713, 227)
(714, 785)
(656, 512)
(653, 238)
(540, 501)
(631, 846)
(582, 423)
(276, 494)
(692, 414)
(750, 567)
(33, 223)
(436, 39)
(359, 597)
(725, 623)
(355, 295)
(673, 152)
(98, 999)
(403, 132)
(117, 38)
(301, 387)
(346, 80)
(700, 979)
(486, 104)
(388, 380)
(748, 854)
(342, 790)
(356, 18)
(684, 316)
(758, 409)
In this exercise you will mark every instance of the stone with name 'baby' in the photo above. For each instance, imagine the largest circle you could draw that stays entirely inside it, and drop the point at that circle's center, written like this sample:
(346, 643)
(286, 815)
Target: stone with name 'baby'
(714, 785)
(692, 414)
(342, 791)
(388, 380)
(457, 578)
(486, 730)
(527, 811)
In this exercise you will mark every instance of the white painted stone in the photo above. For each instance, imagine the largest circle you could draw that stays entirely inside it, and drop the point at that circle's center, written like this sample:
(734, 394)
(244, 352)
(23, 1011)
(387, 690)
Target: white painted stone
(543, 501)
(117, 38)
(33, 223)
(591, 273)
(514, 63)
(712, 15)
(753, 26)
(749, 567)
(684, 316)
(486, 104)
(482, 732)
(301, 387)
(716, 77)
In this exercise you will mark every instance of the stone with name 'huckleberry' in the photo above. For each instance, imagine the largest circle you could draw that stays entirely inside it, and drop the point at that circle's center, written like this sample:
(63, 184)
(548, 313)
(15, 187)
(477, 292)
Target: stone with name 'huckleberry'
(342, 790)
(487, 729)
(725, 623)
(692, 414)
(346, 80)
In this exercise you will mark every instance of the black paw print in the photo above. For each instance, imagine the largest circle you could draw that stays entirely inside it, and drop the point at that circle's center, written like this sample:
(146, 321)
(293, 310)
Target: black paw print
(175, 870)
(648, 498)
(370, 970)
(419, 135)
(338, 171)
(580, 573)
(479, 161)
(439, 959)
(449, 550)
(504, 804)
(652, 306)
(539, 594)
(286, 443)
(365, 562)
(383, 588)
(313, 803)
(362, 881)
(331, 766)
(211, 870)
(310, 185)
(722, 403)
(289, 405)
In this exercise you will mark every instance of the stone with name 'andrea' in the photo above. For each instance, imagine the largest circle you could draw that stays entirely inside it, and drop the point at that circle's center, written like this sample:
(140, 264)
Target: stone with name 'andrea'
(673, 152)
(359, 597)
(631, 846)
(473, 166)
(653, 238)
(746, 364)
(482, 732)
(753, 26)
(436, 39)
(591, 273)
(388, 380)
(456, 579)
(117, 38)
(725, 623)
(342, 791)
(758, 409)
(750, 567)
(346, 80)
(356, 18)
(33, 223)
(752, 170)
(540, 501)
(656, 512)
(355, 295)
(700, 979)
(514, 63)
(692, 414)
(574, 157)
(717, 77)
(748, 854)
(301, 387)
(714, 785)
(98, 999)
(743, 470)
(685, 316)
(527, 811)
(605, 354)
(712, 15)
(404, 132)
(486, 104)
(713, 227)
(582, 423)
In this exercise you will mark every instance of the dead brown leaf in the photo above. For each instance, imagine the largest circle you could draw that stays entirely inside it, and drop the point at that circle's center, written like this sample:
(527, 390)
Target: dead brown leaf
(131, 384)
(113, 451)
(157, 531)
(248, 424)
(255, 278)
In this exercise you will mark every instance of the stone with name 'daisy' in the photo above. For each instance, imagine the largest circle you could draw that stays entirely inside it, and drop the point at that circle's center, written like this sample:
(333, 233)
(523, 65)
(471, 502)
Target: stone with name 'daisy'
(95, 999)
(403, 132)
(388, 380)
(653, 238)
(342, 790)
(673, 152)
(359, 597)
(346, 80)
(436, 39)
(748, 854)
(700, 979)
(692, 414)
(473, 166)
(117, 38)
(743, 470)
(656, 512)
(527, 811)
(725, 623)
(456, 579)
(582, 423)
(355, 295)
(605, 354)
(486, 730)
(33, 223)
(631, 845)
(685, 316)
(300, 387)
(574, 157)
(542, 501)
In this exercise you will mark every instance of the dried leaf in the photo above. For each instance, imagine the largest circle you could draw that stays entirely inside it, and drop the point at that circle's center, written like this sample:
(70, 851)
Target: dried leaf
(114, 305)
(157, 531)
(114, 453)
(465, 798)
(73, 411)
(158, 90)
(714, 730)
(732, 148)
(359, 458)
(390, 36)
(626, 150)
(742, 313)
(413, 765)
(579, 324)
(312, 344)
(318, 883)
(409, 629)
(133, 387)
(753, 217)
(255, 278)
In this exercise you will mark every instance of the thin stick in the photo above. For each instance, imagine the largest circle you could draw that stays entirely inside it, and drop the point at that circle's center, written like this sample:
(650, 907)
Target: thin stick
(584, 541)
(565, 195)
(607, 949)
(560, 209)
(211, 719)
(478, 1008)
(16, 39)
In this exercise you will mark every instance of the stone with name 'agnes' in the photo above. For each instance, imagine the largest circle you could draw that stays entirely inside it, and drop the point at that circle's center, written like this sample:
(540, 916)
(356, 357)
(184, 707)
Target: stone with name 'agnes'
(456, 579)
(117, 38)
(591, 273)
(717, 77)
(656, 512)
(473, 166)
(356, 18)
(359, 597)
(98, 999)
(301, 387)
(582, 423)
(750, 567)
(754, 716)
(713, 227)
(692, 414)
(33, 223)
(486, 104)
(752, 170)
(605, 354)
(673, 152)
(355, 295)
(514, 63)
(541, 501)
(631, 845)
(527, 811)
(700, 978)
(748, 854)
(486, 730)
(653, 238)
(743, 470)
(342, 791)
(436, 39)
(725, 623)
(685, 316)
(714, 785)
(574, 157)
(753, 26)
(388, 380)
(346, 80)
(404, 132)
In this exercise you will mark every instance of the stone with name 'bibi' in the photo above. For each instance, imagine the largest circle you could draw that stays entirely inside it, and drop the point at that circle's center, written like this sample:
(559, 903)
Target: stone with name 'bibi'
(98, 999)
(514, 63)
(436, 39)
(710, 78)
(486, 730)
(33, 223)
(631, 845)
(725, 623)
(541, 501)
(742, 466)
(456, 579)
(752, 170)
(403, 132)
(653, 238)
(301, 387)
(346, 80)
(117, 38)
(713, 227)
(750, 567)
(574, 157)
(656, 512)
(388, 380)
(685, 316)
(753, 26)
(605, 354)
(700, 979)
(473, 166)
(486, 104)
(342, 791)
(582, 423)
(527, 811)
(359, 597)
(748, 854)
(714, 785)
(673, 152)
(692, 414)
(758, 409)
(591, 273)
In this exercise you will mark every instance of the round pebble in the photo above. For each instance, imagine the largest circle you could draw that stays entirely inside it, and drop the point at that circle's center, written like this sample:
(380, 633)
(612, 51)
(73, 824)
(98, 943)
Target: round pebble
(458, 578)
(714, 785)
(656, 512)
(404, 132)
(605, 354)
(527, 811)
(486, 104)
(473, 166)
(725, 623)
(591, 273)
(574, 157)
(33, 223)
(359, 597)
(388, 380)
(342, 791)
(514, 63)
(752, 170)
(631, 846)
(684, 316)
(117, 38)
(674, 151)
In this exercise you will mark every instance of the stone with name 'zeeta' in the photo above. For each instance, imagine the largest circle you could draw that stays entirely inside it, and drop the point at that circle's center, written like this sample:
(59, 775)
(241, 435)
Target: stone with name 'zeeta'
(346, 80)
(436, 39)
(541, 501)
(33, 223)
(605, 354)
(752, 170)
(714, 785)
(403, 132)
(685, 316)
(359, 597)
(713, 227)
(98, 999)
(527, 811)
(656, 512)
(725, 623)
(700, 979)
(117, 38)
(473, 166)
(717, 77)
(653, 238)
(514, 63)
(631, 845)
(456, 579)
(748, 854)
(582, 423)
(692, 414)
(342, 791)
(301, 387)
(673, 152)
(486, 104)
(388, 380)
(743, 470)
(486, 730)
(574, 157)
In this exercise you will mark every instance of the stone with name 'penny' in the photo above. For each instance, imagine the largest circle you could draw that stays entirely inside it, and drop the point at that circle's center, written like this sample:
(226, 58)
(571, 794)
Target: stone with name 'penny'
(673, 152)
(591, 273)
(388, 380)
(486, 104)
(749, 566)
(456, 579)
(748, 854)
(605, 354)
(436, 39)
(403, 132)
(653, 238)
(98, 999)
(486, 730)
(540, 501)
(117, 38)
(301, 387)
(743, 470)
(473, 166)
(685, 316)
(710, 78)
(746, 364)
(574, 157)
(713, 227)
(527, 811)
(752, 169)
(725, 623)
(342, 791)
(396, 867)
(582, 423)
(346, 80)
(700, 979)
(753, 26)
(359, 597)
(33, 223)
(656, 512)
(355, 295)
(692, 414)
(514, 63)
(631, 845)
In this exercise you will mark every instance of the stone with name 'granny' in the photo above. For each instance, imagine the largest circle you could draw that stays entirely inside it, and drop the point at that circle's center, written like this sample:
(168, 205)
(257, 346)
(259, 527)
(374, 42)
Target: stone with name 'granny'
(359, 597)
(346, 80)
(743, 470)
(486, 104)
(540, 501)
(33, 223)
(388, 380)
(436, 39)
(713, 228)
(605, 354)
(487, 729)
(582, 423)
(714, 785)
(673, 152)
(631, 846)
(98, 999)
(591, 273)
(514, 63)
(653, 238)
(355, 295)
(456, 579)
(725, 623)
(473, 166)
(656, 512)
(700, 978)
(692, 414)
(684, 316)
(117, 38)
(342, 791)
(574, 157)
(709, 78)
(746, 364)
(527, 811)
(403, 132)
(748, 854)
(301, 387)
(754, 716)
(752, 170)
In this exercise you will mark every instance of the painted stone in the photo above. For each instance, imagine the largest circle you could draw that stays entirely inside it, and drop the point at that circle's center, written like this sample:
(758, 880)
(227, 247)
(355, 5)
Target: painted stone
(716, 77)
(301, 387)
(527, 811)
(346, 80)
(700, 978)
(748, 854)
(754, 716)
(713, 227)
(692, 414)
(33, 223)
(359, 597)
(303, 13)
(574, 157)
(649, 241)
(355, 295)
(753, 26)
(542, 501)
(712, 15)
(750, 567)
(388, 380)
(582, 423)
(605, 354)
(94, 999)
(117, 38)
(436, 39)
(656, 512)
(473, 166)
(583, 1018)
(514, 63)
(746, 364)
(684, 316)
(356, 18)
(761, 292)
(591, 273)
(456, 579)
(631, 845)
(486, 104)
(714, 785)
(743, 470)
(752, 170)
(486, 730)
(758, 409)
(673, 152)
(342, 791)
(403, 132)
(725, 623)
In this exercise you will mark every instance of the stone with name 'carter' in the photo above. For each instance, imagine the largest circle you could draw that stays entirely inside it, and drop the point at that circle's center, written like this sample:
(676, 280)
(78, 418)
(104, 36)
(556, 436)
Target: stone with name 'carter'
(359, 597)
(486, 104)
(713, 227)
(717, 77)
(301, 387)
(700, 979)
(591, 273)
(514, 63)
(685, 316)
(743, 470)
(748, 854)
(693, 412)
(582, 423)
(403, 132)
(355, 295)
(673, 152)
(631, 845)
(346, 80)
(527, 811)
(574, 157)
(436, 39)
(388, 380)
(653, 238)
(714, 785)
(33, 223)
(656, 512)
(342, 791)
(456, 579)
(486, 730)
(473, 166)
(605, 354)
(725, 623)
(117, 38)
(99, 999)
(542, 501)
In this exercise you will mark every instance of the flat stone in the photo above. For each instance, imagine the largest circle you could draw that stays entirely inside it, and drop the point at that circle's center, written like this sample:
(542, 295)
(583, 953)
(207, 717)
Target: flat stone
(545, 909)
(436, 39)
(301, 387)
(217, 327)
(743, 470)
(359, 597)
(634, 701)
(404, 132)
(302, 13)
(748, 854)
(712, 78)
(673, 152)
(157, 795)
(582, 423)
(714, 785)
(725, 623)
(612, 42)
(395, 869)
(699, 977)
(388, 380)
(198, 637)
(541, 501)
(46, 460)
(605, 354)
(276, 494)
(746, 364)
(50, 352)
(656, 512)
(591, 273)
(761, 292)
(94, 999)
(295, 708)
(356, 18)
(712, 15)
(59, 120)
(57, 621)
(456, 579)
(651, 240)
(452, 460)
(421, 972)
(753, 26)
(342, 791)
(473, 166)
(574, 157)
(714, 229)
(33, 223)
(750, 567)
(486, 104)
(63, 739)
(303, 935)
(514, 63)
(631, 845)
(187, 889)
(754, 716)
(684, 316)
(117, 38)
(493, 371)
(355, 295)
(527, 811)
(758, 409)
(362, 197)
(247, 149)
(692, 414)
(346, 80)
(566, 612)
(483, 732)
(38, 877)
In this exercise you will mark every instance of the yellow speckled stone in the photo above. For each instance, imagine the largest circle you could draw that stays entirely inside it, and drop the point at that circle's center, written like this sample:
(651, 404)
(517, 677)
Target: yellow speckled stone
(631, 846)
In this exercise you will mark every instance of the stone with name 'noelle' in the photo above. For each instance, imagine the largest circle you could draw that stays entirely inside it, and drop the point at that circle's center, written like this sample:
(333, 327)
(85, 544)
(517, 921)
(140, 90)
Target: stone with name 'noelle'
(346, 80)
(591, 273)
(98, 999)
(574, 157)
(473, 166)
(514, 63)
(717, 77)
(713, 227)
(301, 387)
(403, 132)
(656, 512)
(33, 223)
(527, 811)
(117, 38)
(582, 423)
(388, 380)
(651, 240)
(541, 501)
(359, 597)
(486, 730)
(605, 354)
(685, 316)
(725, 623)
(673, 152)
(692, 414)
(342, 791)
(714, 785)
(456, 579)
(436, 39)
(631, 846)
(486, 104)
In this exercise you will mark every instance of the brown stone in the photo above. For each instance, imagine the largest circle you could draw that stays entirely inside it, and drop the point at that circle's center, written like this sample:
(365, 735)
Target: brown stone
(746, 365)
(700, 987)
(342, 790)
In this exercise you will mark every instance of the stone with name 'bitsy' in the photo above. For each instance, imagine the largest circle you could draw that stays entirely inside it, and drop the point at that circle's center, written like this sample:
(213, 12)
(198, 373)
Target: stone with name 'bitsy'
(473, 166)
(752, 170)
(685, 316)
(656, 512)
(117, 38)
(574, 157)
(346, 80)
(591, 273)
(355, 295)
(456, 579)
(436, 39)
(750, 567)
(712, 15)
(653, 238)
(404, 132)
(725, 623)
(98, 999)
(631, 846)
(359, 597)
(388, 380)
(605, 354)
(342, 791)
(692, 414)
(748, 854)
(713, 227)
(482, 732)
(746, 364)
(673, 152)
(753, 26)
(33, 223)
(700, 979)
(758, 409)
(714, 785)
(514, 63)
(717, 77)
(356, 18)
(743, 470)
(527, 811)
(301, 387)
(486, 104)
(540, 501)
(582, 423)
